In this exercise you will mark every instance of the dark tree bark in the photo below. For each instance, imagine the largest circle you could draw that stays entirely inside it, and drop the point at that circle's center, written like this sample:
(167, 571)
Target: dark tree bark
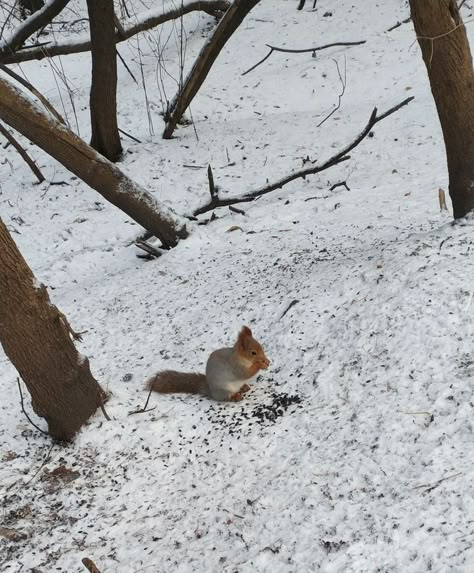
(446, 53)
(36, 338)
(61, 143)
(232, 19)
(103, 98)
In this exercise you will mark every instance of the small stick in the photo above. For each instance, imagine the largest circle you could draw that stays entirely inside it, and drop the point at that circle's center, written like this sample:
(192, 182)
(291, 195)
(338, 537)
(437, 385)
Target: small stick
(235, 210)
(442, 200)
(292, 303)
(143, 410)
(144, 246)
(212, 187)
(128, 135)
(90, 565)
(340, 184)
(398, 24)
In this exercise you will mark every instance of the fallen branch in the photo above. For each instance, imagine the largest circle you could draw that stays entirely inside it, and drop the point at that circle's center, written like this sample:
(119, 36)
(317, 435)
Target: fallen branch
(129, 28)
(232, 19)
(32, 24)
(22, 151)
(216, 201)
(22, 114)
(303, 51)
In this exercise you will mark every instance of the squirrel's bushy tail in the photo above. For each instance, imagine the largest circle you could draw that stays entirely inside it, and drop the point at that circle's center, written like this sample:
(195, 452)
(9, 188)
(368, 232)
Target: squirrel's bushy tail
(170, 382)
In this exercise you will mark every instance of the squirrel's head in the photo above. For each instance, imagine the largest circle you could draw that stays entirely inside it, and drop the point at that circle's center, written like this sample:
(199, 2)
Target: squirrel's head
(251, 350)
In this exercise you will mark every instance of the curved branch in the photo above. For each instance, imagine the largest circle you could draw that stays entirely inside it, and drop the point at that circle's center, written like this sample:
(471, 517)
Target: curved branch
(130, 28)
(334, 160)
(303, 51)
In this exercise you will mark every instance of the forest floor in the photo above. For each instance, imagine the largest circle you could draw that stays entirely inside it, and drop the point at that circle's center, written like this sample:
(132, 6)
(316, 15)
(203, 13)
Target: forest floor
(354, 451)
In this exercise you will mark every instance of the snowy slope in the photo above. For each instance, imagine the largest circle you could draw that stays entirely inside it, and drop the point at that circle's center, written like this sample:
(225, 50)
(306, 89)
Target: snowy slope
(372, 470)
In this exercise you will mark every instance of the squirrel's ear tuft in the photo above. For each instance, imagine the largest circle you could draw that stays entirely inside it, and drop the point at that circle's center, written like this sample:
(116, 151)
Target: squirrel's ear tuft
(245, 331)
(243, 337)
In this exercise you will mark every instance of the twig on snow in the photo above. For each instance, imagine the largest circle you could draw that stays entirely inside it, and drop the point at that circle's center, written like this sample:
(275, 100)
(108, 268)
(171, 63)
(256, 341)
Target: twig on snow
(129, 135)
(343, 81)
(303, 51)
(398, 24)
(144, 409)
(292, 303)
(340, 184)
(217, 201)
(437, 483)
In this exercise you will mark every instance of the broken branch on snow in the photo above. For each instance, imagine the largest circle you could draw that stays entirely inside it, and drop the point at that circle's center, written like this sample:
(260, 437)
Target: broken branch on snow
(217, 201)
(303, 51)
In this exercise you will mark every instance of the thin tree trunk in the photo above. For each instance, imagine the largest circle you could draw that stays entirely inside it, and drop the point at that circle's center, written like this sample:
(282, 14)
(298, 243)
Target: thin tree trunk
(446, 53)
(22, 114)
(232, 19)
(36, 338)
(103, 98)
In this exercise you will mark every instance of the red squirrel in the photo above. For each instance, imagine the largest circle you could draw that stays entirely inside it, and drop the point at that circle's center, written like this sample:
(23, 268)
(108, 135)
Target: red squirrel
(227, 372)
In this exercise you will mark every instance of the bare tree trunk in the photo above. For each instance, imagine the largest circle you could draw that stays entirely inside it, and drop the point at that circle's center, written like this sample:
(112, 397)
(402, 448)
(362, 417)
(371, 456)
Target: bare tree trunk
(446, 53)
(22, 114)
(103, 99)
(232, 19)
(36, 338)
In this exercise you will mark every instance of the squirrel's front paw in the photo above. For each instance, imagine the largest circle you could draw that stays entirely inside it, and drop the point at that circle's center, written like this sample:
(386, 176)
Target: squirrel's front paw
(245, 388)
(237, 397)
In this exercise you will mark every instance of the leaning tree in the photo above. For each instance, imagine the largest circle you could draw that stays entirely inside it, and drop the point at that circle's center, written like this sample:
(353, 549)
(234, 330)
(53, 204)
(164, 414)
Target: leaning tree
(37, 338)
(445, 48)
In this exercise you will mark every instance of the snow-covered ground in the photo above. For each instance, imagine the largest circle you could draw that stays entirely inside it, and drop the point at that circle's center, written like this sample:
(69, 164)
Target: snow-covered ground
(372, 471)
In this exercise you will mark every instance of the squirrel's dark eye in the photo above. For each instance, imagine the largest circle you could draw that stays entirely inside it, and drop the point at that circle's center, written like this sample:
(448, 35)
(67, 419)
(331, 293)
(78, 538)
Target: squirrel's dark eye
(254, 353)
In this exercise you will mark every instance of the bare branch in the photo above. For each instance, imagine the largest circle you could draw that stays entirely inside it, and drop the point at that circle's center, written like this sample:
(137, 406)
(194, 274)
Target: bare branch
(22, 151)
(32, 24)
(303, 173)
(129, 28)
(303, 51)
